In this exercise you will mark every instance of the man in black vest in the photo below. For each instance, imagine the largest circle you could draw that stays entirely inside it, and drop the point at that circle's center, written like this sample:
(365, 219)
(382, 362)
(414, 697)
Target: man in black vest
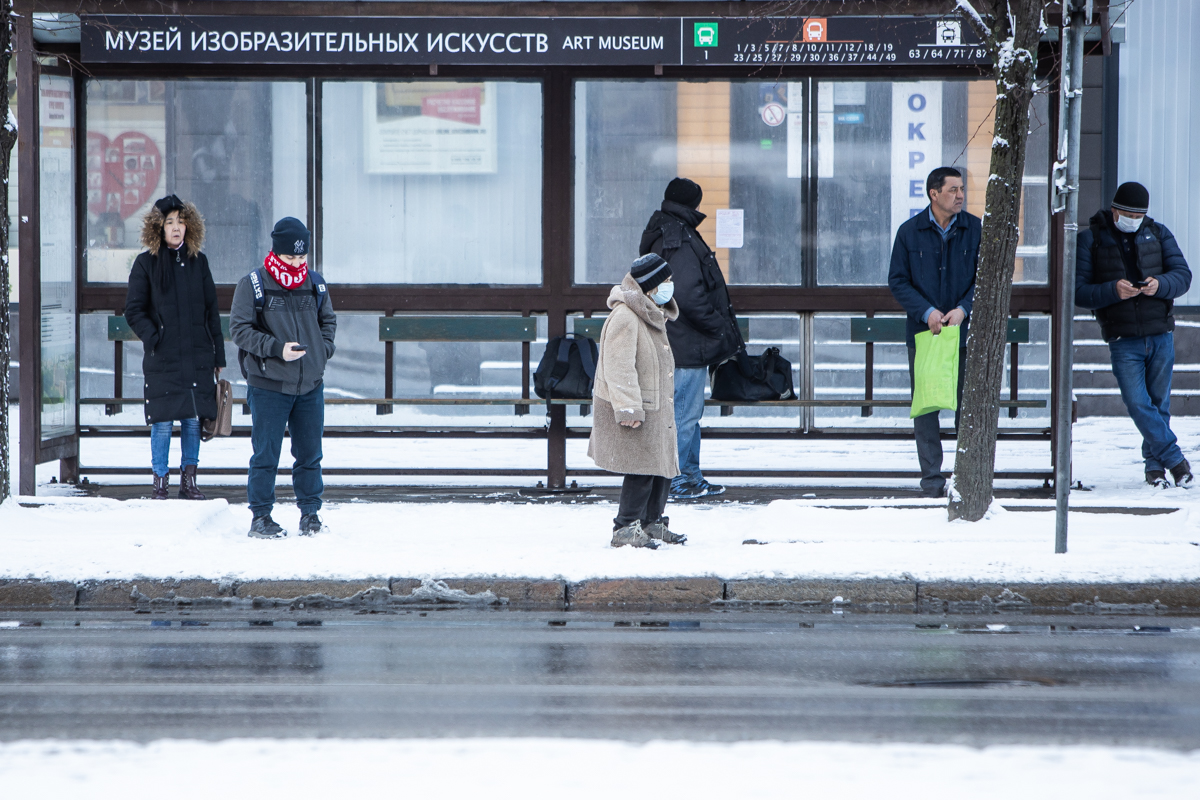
(1129, 269)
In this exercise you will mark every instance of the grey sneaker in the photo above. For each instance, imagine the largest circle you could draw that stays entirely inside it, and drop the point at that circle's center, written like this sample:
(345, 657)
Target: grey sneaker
(1182, 473)
(266, 528)
(633, 535)
(1157, 479)
(660, 531)
(309, 524)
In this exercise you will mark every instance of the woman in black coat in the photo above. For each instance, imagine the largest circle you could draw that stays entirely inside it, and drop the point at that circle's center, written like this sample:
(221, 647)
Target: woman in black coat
(172, 307)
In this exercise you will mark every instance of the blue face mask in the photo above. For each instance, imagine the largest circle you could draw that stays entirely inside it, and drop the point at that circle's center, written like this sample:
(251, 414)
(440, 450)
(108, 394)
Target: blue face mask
(664, 293)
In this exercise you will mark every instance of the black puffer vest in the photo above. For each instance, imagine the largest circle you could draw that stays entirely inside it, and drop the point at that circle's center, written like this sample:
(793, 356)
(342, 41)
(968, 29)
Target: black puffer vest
(1141, 315)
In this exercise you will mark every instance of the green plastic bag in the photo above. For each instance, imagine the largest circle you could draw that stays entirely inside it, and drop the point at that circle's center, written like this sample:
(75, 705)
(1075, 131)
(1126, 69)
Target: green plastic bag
(935, 371)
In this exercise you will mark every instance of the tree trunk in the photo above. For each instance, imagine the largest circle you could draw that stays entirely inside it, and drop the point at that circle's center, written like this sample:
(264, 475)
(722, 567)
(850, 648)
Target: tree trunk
(1015, 54)
(8, 138)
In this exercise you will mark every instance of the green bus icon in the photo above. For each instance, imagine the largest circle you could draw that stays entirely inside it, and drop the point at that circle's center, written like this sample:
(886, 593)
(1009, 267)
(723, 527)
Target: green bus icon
(706, 34)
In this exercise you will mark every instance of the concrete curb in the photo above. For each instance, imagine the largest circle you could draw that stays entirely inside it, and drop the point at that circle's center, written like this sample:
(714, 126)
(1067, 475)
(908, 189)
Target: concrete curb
(614, 593)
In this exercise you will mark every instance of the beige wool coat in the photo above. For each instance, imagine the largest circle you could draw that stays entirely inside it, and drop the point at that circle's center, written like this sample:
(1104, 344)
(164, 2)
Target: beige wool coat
(635, 380)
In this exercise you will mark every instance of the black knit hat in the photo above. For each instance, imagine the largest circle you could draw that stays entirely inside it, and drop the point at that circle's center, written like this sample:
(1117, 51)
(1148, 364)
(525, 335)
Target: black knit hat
(649, 271)
(290, 238)
(1132, 197)
(168, 204)
(685, 192)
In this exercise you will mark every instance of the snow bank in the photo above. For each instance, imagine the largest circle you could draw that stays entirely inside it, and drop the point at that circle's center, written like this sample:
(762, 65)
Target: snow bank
(524, 768)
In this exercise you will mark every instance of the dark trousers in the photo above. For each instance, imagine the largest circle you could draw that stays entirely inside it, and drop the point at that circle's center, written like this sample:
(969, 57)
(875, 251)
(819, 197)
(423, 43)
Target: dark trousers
(303, 416)
(644, 498)
(928, 430)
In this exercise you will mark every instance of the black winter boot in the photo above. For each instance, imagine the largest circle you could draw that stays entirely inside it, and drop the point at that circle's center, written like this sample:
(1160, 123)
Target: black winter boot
(187, 485)
(1182, 473)
(1157, 479)
(161, 482)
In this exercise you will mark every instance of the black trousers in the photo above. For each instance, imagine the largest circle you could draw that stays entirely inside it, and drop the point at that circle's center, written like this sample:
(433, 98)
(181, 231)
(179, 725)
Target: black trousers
(644, 498)
(928, 429)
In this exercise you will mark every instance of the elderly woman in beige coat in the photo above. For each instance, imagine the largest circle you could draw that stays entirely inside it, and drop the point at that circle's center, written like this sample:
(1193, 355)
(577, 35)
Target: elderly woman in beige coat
(634, 424)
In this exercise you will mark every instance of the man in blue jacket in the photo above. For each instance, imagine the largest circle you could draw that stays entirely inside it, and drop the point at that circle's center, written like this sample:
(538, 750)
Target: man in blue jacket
(1128, 270)
(933, 277)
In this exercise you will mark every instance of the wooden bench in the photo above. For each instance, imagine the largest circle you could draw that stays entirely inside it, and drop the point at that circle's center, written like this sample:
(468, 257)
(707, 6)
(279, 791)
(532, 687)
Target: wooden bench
(890, 330)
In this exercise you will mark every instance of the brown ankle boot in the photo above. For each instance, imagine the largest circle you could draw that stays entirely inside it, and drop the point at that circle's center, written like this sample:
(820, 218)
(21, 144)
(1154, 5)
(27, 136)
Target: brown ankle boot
(187, 485)
(160, 487)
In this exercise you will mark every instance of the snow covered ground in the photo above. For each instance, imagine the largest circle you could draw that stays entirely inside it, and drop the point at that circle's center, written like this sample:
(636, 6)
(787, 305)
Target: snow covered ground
(72, 538)
(523, 768)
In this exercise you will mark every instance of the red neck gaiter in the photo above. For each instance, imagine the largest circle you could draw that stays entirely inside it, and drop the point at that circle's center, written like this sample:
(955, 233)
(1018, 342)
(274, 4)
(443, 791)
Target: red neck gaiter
(285, 275)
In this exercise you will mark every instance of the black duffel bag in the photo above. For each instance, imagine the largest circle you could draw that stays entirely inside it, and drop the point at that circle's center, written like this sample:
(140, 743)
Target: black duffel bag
(567, 369)
(746, 378)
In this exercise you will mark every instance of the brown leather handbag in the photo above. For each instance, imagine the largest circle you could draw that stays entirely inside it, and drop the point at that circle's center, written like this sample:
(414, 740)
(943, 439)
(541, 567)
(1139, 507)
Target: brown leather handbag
(223, 424)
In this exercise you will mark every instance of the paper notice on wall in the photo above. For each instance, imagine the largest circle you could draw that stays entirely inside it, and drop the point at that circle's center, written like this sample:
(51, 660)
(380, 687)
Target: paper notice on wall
(437, 128)
(795, 130)
(730, 227)
(916, 145)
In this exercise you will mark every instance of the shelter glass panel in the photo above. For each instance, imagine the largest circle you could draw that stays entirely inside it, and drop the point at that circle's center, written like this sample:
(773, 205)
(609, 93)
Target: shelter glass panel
(876, 141)
(237, 149)
(742, 141)
(57, 209)
(432, 182)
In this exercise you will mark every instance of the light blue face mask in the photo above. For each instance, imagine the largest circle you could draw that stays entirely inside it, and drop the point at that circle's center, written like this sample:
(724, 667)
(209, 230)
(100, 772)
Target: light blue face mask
(664, 293)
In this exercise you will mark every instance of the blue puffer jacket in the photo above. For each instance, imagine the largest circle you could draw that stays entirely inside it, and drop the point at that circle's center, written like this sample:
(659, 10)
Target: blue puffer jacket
(928, 272)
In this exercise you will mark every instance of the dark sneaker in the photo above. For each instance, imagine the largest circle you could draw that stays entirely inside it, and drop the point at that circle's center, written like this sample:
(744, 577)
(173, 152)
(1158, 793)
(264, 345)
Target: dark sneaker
(309, 524)
(1157, 478)
(938, 492)
(266, 528)
(1182, 473)
(634, 536)
(660, 532)
(711, 489)
(686, 491)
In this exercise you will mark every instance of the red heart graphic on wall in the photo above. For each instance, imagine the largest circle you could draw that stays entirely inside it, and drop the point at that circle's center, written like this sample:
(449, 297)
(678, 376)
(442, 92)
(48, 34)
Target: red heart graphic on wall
(122, 173)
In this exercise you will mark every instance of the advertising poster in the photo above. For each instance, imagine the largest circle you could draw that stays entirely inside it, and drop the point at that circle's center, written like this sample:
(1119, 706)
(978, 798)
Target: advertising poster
(440, 128)
(916, 145)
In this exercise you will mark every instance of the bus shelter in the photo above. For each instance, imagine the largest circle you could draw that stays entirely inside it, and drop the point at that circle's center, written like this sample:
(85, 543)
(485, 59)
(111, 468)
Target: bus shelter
(477, 176)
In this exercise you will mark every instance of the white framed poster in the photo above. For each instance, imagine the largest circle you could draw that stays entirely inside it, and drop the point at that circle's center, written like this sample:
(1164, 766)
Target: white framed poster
(429, 128)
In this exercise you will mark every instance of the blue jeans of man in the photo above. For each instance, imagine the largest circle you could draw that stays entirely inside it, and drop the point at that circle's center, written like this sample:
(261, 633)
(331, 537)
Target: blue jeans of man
(160, 444)
(689, 408)
(303, 416)
(1143, 367)
(928, 430)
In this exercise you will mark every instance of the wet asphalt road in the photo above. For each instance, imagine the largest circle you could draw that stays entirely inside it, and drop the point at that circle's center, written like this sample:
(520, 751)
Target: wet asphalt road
(632, 676)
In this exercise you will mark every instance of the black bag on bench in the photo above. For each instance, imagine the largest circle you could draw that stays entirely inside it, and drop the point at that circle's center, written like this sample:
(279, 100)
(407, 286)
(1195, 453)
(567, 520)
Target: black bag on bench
(746, 378)
(567, 368)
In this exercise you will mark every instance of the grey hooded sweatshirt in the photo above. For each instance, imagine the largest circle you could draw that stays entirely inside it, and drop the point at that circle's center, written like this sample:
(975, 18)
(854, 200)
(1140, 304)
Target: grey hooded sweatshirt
(288, 315)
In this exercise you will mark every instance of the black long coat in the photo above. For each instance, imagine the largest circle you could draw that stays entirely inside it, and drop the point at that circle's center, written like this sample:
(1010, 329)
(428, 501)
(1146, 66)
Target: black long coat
(172, 307)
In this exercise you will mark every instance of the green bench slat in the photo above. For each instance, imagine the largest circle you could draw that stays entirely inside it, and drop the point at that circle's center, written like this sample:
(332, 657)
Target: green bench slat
(119, 330)
(890, 330)
(457, 329)
(590, 327)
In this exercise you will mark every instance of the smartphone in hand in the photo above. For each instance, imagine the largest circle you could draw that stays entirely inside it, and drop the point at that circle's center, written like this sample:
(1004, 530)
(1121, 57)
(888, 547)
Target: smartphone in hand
(299, 348)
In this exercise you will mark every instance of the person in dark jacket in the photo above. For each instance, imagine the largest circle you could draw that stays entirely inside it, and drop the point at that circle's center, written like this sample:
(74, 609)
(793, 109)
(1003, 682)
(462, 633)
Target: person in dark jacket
(172, 307)
(706, 332)
(932, 276)
(1128, 270)
(283, 352)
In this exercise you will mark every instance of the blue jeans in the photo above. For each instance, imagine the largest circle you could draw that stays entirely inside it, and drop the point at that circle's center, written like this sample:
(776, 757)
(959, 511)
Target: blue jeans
(1143, 369)
(689, 408)
(160, 444)
(303, 416)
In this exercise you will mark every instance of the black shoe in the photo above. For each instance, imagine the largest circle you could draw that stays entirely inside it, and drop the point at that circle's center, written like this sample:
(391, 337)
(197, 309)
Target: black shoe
(938, 492)
(266, 528)
(686, 491)
(1157, 478)
(711, 489)
(309, 524)
(1182, 473)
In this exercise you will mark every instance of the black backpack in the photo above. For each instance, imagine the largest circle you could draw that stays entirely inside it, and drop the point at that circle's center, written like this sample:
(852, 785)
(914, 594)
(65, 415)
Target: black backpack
(747, 378)
(567, 369)
(319, 290)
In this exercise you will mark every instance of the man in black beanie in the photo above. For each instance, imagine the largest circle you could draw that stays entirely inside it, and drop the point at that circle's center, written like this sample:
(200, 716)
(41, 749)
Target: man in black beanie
(1128, 270)
(706, 331)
